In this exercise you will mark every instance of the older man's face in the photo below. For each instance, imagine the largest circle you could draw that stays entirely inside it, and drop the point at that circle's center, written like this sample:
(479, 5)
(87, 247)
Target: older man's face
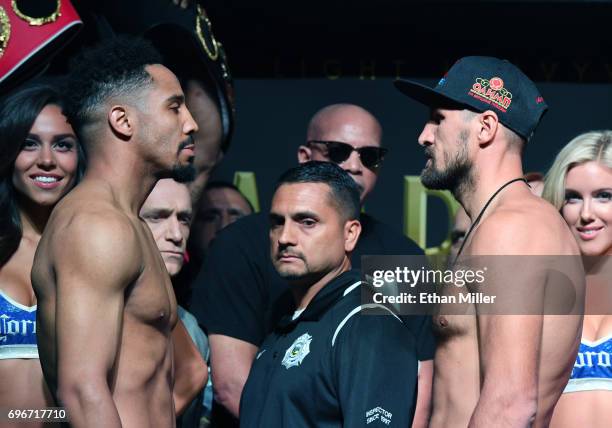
(167, 212)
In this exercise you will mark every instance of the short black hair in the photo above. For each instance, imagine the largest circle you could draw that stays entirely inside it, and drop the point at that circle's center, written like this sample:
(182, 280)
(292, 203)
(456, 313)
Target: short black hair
(344, 191)
(115, 67)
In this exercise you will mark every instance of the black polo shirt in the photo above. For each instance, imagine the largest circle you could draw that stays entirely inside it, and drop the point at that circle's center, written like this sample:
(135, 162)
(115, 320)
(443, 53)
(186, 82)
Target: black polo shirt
(239, 293)
(334, 366)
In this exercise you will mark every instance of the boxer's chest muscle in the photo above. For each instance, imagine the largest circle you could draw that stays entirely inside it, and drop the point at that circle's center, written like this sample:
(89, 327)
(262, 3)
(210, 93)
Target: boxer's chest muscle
(151, 300)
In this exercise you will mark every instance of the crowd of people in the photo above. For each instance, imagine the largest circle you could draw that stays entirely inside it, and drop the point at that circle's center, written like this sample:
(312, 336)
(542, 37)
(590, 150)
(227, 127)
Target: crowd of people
(135, 291)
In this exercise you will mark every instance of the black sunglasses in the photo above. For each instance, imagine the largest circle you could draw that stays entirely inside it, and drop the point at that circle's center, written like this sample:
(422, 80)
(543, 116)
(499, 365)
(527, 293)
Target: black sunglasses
(371, 156)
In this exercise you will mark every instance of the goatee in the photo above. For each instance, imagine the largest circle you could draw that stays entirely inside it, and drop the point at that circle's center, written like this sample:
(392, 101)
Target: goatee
(179, 173)
(183, 173)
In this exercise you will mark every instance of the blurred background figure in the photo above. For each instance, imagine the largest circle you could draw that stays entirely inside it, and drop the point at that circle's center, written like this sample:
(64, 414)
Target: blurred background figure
(460, 228)
(210, 143)
(40, 161)
(168, 213)
(220, 205)
(579, 185)
(536, 182)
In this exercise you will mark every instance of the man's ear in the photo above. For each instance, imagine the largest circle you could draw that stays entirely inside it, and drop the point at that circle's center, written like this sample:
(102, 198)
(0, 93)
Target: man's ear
(304, 154)
(120, 122)
(352, 230)
(488, 125)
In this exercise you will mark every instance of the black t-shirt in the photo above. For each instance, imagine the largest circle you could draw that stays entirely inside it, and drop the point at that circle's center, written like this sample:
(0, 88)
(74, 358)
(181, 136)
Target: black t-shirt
(239, 294)
(333, 366)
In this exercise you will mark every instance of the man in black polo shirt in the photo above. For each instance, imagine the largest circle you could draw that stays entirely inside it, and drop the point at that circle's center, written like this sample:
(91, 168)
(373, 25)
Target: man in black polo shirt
(239, 297)
(328, 364)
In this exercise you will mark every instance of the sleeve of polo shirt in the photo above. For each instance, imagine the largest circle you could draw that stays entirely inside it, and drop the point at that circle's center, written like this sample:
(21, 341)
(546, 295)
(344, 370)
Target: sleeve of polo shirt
(227, 296)
(375, 370)
(426, 341)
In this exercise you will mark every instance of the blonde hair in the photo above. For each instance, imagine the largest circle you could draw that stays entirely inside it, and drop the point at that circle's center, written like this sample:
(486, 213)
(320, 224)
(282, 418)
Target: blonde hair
(590, 146)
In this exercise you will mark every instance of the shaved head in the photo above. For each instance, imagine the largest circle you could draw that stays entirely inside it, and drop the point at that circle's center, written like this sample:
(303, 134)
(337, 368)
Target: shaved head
(350, 124)
(335, 116)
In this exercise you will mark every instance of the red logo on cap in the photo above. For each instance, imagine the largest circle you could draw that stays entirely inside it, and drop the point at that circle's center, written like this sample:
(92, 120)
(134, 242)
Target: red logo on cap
(539, 100)
(496, 83)
(492, 92)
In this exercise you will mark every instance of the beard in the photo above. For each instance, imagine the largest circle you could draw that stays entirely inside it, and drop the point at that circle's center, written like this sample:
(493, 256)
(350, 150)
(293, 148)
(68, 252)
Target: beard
(179, 173)
(457, 174)
(183, 173)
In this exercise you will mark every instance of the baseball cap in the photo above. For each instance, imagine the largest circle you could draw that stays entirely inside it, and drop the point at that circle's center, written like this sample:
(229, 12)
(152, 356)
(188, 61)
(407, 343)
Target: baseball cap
(485, 83)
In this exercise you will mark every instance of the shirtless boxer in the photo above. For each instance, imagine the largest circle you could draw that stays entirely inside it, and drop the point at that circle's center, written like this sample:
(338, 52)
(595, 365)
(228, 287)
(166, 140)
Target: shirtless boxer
(106, 306)
(168, 213)
(495, 370)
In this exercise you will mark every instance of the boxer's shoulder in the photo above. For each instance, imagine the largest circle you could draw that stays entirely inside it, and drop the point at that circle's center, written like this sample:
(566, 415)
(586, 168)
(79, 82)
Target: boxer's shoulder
(98, 240)
(523, 228)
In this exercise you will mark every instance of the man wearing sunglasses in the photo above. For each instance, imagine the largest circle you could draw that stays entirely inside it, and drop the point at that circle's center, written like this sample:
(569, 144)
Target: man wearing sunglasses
(239, 297)
(349, 136)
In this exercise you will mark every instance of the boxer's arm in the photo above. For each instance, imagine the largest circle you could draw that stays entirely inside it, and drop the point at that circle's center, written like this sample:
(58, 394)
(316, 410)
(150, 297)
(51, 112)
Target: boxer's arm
(230, 362)
(423, 405)
(509, 343)
(426, 349)
(190, 370)
(510, 347)
(95, 259)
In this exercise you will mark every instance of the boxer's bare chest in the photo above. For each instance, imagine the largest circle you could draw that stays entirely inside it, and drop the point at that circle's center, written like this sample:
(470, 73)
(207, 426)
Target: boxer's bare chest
(151, 299)
(453, 321)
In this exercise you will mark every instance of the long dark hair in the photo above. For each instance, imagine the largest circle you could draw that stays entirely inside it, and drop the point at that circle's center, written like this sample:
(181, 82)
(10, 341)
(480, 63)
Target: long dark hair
(18, 111)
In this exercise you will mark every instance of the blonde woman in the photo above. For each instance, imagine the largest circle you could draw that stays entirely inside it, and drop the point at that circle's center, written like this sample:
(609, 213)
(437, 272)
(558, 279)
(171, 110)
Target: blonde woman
(579, 184)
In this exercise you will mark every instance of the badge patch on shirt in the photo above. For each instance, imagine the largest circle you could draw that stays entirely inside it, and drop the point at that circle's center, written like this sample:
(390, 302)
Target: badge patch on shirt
(378, 414)
(296, 353)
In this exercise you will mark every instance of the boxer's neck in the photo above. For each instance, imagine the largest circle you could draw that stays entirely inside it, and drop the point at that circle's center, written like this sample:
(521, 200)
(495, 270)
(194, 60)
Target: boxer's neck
(488, 176)
(128, 175)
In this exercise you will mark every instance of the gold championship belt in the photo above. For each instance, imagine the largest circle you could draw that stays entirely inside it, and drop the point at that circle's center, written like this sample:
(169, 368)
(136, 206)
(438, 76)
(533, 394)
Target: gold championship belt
(31, 32)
